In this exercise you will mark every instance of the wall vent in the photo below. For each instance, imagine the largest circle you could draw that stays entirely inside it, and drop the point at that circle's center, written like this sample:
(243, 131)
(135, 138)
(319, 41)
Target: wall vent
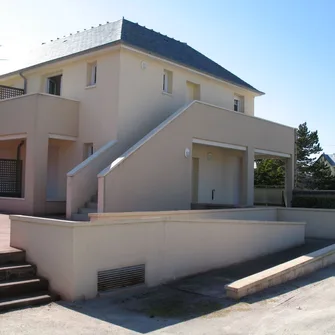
(122, 277)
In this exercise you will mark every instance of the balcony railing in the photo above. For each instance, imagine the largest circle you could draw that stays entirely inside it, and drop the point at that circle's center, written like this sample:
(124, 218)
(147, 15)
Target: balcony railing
(7, 92)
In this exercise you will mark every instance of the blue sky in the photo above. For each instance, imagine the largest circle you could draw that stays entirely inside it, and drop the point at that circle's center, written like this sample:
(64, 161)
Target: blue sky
(285, 48)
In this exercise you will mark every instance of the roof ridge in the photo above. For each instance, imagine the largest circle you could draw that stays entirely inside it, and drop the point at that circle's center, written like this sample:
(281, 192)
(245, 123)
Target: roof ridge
(154, 31)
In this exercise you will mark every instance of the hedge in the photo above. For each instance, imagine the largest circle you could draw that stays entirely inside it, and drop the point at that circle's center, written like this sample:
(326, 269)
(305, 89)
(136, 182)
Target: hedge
(313, 201)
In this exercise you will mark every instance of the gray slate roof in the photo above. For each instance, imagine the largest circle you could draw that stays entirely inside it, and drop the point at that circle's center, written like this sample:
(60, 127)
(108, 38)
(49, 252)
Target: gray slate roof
(134, 35)
(330, 158)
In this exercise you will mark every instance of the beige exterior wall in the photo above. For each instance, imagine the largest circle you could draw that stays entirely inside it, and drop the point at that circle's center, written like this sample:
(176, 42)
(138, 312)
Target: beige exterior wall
(143, 104)
(98, 105)
(40, 116)
(169, 248)
(51, 247)
(222, 172)
(253, 214)
(60, 161)
(124, 105)
(120, 104)
(130, 185)
(320, 223)
(48, 113)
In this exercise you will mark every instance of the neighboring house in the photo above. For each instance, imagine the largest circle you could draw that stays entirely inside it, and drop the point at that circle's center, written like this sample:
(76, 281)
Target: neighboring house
(122, 118)
(329, 160)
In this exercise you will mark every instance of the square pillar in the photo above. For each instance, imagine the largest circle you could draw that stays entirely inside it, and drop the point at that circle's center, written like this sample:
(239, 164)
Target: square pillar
(289, 180)
(248, 177)
(36, 171)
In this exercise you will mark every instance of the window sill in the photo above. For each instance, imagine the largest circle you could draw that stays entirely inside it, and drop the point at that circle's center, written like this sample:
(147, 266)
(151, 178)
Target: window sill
(90, 86)
(167, 93)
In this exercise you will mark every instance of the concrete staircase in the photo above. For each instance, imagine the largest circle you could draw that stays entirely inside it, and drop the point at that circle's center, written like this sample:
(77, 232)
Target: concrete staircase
(90, 207)
(19, 284)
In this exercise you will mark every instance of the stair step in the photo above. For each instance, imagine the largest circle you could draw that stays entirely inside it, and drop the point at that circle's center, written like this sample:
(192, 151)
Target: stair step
(93, 205)
(87, 210)
(17, 287)
(12, 256)
(15, 271)
(94, 198)
(80, 217)
(39, 298)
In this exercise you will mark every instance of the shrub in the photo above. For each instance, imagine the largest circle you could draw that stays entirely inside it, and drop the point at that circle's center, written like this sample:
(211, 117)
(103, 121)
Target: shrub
(323, 201)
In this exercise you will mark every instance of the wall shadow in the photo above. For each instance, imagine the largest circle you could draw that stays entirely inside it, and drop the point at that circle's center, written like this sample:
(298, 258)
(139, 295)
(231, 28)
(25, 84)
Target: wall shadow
(152, 309)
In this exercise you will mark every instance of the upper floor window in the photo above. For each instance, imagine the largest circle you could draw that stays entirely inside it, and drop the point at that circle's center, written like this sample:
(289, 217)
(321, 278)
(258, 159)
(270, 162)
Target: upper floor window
(54, 84)
(193, 91)
(167, 81)
(238, 103)
(92, 69)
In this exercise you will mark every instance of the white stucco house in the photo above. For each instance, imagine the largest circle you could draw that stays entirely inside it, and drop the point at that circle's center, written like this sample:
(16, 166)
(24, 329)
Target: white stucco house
(122, 118)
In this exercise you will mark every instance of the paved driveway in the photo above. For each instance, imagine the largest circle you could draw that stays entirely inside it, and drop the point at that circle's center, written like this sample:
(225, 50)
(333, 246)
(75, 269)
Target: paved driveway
(303, 306)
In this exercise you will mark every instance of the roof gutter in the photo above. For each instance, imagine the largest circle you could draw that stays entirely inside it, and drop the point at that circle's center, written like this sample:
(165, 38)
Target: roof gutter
(24, 82)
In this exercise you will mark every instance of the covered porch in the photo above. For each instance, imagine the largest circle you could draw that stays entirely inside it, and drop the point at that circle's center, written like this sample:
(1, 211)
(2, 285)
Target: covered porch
(223, 174)
(38, 138)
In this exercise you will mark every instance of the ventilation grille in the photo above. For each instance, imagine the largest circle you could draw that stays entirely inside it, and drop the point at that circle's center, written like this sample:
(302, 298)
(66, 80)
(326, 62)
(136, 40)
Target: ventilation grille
(122, 277)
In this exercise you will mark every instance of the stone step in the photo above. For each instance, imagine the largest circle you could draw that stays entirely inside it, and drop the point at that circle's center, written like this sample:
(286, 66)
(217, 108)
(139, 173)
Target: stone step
(17, 287)
(15, 271)
(85, 210)
(39, 298)
(12, 256)
(93, 205)
(94, 198)
(80, 217)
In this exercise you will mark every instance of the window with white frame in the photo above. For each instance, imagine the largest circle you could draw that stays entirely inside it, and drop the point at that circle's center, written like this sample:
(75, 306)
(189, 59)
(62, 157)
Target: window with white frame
(238, 104)
(92, 69)
(167, 81)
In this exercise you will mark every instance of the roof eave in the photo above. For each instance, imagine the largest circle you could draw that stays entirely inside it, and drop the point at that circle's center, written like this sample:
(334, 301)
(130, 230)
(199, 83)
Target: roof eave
(120, 41)
(252, 89)
(100, 47)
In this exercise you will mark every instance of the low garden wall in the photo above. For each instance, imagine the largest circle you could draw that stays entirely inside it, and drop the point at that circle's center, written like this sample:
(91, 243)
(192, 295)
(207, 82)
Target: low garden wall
(70, 254)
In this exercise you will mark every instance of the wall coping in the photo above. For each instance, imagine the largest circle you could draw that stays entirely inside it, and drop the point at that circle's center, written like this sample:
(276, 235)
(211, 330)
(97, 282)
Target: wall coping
(144, 140)
(177, 212)
(239, 287)
(87, 161)
(292, 209)
(164, 124)
(74, 224)
(14, 199)
(37, 94)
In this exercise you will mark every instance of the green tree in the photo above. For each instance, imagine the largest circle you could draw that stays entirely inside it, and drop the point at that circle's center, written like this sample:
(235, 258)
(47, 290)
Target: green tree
(307, 146)
(322, 178)
(269, 172)
(311, 172)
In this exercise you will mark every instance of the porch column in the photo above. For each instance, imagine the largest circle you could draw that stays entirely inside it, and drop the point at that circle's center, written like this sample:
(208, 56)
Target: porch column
(248, 177)
(289, 180)
(36, 171)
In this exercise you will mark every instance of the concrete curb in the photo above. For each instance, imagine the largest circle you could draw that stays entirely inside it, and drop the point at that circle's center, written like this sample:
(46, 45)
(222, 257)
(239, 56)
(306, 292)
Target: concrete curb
(282, 273)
